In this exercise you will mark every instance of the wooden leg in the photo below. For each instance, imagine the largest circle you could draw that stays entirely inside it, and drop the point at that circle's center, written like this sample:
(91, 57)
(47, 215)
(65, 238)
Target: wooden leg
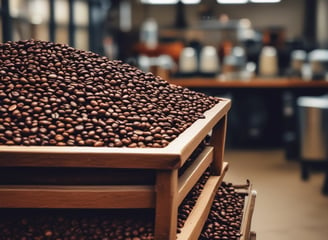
(325, 183)
(218, 142)
(304, 171)
(253, 235)
(166, 212)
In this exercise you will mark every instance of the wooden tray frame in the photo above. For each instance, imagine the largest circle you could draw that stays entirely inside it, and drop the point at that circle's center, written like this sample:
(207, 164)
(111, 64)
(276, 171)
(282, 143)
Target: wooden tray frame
(250, 198)
(165, 195)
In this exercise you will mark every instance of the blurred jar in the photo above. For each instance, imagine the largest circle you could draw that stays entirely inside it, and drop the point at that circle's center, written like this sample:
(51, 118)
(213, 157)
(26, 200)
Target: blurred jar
(188, 62)
(240, 57)
(149, 33)
(230, 64)
(318, 60)
(234, 64)
(209, 60)
(165, 65)
(268, 62)
(298, 58)
(231, 69)
(161, 66)
(306, 72)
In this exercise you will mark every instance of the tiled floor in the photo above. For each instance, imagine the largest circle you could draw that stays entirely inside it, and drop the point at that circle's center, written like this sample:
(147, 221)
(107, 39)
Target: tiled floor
(287, 208)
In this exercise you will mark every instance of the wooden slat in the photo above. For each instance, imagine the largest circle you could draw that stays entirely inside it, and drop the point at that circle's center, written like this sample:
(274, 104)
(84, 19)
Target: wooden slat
(194, 172)
(218, 141)
(198, 216)
(49, 156)
(77, 196)
(170, 157)
(166, 213)
(248, 215)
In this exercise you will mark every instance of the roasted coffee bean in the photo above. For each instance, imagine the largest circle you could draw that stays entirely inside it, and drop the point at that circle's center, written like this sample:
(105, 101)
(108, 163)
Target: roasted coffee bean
(12, 107)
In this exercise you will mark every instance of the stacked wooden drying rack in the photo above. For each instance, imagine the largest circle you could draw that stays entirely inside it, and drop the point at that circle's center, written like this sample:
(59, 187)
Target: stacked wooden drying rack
(136, 177)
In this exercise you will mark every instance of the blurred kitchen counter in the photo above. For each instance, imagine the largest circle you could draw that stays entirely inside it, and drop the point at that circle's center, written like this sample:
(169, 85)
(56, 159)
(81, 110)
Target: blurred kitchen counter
(257, 82)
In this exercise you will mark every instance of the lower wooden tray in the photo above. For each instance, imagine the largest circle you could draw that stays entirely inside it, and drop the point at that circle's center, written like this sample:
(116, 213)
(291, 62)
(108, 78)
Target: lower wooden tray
(197, 218)
(194, 224)
(103, 196)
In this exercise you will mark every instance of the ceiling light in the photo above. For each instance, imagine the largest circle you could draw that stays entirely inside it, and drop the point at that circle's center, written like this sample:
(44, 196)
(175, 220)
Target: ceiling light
(170, 1)
(160, 1)
(265, 1)
(232, 1)
(190, 1)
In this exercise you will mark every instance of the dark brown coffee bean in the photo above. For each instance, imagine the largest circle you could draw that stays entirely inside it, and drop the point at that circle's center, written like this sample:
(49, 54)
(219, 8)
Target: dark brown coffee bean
(59, 138)
(53, 76)
(37, 109)
(98, 144)
(12, 107)
(79, 127)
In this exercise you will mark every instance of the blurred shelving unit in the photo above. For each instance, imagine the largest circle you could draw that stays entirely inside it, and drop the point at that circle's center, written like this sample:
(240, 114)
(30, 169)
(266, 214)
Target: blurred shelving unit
(77, 23)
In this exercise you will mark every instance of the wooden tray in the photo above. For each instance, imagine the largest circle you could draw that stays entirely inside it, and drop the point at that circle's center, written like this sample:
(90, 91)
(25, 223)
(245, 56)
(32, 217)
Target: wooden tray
(172, 156)
(198, 216)
(161, 188)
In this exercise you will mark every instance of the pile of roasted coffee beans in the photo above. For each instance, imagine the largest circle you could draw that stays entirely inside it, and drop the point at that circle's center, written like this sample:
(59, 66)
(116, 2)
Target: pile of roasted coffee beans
(54, 95)
(224, 220)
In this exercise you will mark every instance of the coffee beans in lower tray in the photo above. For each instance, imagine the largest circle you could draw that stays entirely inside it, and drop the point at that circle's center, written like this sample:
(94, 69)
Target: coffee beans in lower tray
(113, 224)
(54, 95)
(224, 220)
(31, 224)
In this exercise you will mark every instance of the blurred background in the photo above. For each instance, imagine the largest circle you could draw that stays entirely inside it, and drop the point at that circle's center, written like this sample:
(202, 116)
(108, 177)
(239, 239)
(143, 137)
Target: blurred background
(263, 54)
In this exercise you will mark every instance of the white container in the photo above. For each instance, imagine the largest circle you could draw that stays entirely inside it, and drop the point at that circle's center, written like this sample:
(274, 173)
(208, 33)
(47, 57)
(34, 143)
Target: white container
(149, 33)
(298, 58)
(209, 60)
(188, 62)
(318, 60)
(268, 62)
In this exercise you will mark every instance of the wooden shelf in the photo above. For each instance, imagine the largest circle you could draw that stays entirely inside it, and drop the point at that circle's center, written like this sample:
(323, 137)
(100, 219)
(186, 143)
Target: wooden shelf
(32, 196)
(283, 82)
